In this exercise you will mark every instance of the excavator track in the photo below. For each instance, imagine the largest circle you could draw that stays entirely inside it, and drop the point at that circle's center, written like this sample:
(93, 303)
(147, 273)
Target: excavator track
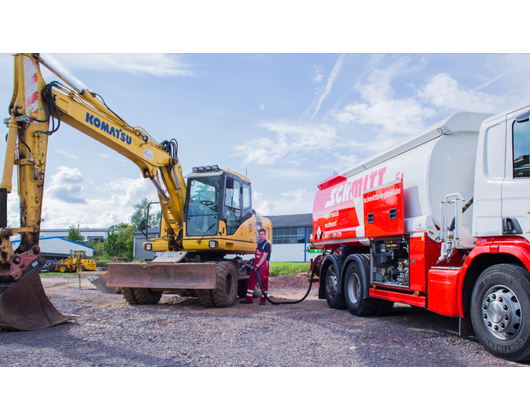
(25, 307)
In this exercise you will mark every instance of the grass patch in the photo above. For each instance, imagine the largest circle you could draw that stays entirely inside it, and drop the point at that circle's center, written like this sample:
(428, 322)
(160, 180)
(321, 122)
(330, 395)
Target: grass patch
(287, 269)
(275, 269)
(58, 274)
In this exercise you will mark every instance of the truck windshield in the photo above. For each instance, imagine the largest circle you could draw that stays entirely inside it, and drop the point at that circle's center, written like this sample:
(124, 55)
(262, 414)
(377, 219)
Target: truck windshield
(203, 206)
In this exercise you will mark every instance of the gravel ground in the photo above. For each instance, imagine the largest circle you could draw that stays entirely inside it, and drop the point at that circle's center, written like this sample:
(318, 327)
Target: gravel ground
(179, 332)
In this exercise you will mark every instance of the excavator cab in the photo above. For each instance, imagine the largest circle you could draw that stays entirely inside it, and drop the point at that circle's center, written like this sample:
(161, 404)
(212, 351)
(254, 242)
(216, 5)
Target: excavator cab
(218, 202)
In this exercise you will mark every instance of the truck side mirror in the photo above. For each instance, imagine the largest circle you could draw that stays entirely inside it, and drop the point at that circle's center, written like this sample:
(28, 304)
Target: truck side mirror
(143, 224)
(229, 183)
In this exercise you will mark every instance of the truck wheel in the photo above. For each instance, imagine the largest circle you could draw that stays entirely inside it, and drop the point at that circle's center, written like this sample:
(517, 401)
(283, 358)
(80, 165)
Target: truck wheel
(353, 292)
(331, 287)
(63, 268)
(80, 268)
(225, 292)
(500, 311)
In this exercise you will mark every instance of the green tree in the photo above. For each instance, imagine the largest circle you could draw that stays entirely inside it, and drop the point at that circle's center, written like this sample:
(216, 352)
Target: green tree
(140, 212)
(74, 234)
(120, 241)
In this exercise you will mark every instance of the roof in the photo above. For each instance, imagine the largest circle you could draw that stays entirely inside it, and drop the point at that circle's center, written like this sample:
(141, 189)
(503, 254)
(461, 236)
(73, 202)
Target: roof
(291, 220)
(41, 239)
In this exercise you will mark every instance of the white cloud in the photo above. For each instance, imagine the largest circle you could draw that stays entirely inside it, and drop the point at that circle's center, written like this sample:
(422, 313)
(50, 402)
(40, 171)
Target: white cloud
(67, 154)
(341, 162)
(444, 91)
(66, 186)
(322, 94)
(64, 204)
(162, 65)
(291, 202)
(290, 139)
(319, 76)
(262, 106)
(404, 116)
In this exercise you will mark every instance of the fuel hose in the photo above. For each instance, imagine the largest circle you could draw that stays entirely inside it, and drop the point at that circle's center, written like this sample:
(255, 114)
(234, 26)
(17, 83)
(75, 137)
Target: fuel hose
(288, 302)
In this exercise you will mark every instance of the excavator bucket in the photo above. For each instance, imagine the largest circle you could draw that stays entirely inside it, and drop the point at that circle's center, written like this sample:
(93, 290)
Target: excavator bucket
(25, 307)
(101, 284)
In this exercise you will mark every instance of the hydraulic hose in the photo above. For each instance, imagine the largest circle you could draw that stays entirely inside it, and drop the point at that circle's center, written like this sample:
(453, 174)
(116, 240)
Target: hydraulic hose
(289, 302)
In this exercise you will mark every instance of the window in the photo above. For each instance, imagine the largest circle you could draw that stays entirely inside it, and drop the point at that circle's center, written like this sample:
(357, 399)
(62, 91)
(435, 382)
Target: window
(203, 206)
(294, 235)
(521, 149)
(232, 196)
(233, 209)
(246, 197)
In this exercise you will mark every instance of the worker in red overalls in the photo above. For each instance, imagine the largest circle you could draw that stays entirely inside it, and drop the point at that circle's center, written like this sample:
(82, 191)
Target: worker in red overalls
(261, 265)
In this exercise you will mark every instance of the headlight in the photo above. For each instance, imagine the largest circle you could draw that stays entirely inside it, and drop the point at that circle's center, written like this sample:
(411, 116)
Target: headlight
(212, 244)
(148, 247)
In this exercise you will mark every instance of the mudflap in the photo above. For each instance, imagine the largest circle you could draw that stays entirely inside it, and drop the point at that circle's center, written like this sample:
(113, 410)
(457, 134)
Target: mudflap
(162, 275)
(25, 307)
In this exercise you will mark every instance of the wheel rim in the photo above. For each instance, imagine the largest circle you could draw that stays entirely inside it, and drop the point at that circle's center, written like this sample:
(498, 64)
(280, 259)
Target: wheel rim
(353, 288)
(331, 284)
(501, 312)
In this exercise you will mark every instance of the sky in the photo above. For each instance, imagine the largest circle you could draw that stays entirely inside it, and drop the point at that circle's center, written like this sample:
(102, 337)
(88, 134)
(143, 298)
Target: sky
(286, 120)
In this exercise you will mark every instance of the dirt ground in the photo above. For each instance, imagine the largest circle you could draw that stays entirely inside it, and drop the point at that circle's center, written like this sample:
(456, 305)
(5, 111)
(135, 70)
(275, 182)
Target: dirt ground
(180, 332)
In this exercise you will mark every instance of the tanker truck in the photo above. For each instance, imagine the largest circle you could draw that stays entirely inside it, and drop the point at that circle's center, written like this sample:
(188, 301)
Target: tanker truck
(440, 221)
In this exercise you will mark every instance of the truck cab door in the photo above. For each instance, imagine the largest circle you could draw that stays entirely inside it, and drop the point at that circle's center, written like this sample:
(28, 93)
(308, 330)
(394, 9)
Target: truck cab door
(516, 184)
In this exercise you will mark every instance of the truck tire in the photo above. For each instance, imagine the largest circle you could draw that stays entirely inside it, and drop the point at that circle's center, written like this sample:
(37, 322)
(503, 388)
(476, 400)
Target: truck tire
(500, 311)
(353, 292)
(225, 291)
(62, 268)
(331, 288)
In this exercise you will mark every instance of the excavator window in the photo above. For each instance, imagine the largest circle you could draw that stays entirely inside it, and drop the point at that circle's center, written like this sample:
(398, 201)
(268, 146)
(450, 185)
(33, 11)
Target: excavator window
(203, 206)
(233, 205)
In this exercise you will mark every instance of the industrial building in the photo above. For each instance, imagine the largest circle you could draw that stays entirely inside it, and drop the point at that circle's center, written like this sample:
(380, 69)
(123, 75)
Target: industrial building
(56, 247)
(88, 234)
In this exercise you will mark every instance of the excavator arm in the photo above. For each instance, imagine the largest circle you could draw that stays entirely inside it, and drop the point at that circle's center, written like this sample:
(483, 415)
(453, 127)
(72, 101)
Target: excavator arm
(36, 111)
(36, 105)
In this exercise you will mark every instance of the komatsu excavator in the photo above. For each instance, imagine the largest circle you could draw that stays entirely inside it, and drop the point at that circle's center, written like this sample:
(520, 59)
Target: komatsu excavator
(203, 221)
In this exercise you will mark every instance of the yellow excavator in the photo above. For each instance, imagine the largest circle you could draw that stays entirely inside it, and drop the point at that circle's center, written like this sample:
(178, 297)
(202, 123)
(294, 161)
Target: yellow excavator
(206, 216)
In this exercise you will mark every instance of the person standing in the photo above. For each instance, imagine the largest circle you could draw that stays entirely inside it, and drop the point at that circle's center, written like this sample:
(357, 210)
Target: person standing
(261, 266)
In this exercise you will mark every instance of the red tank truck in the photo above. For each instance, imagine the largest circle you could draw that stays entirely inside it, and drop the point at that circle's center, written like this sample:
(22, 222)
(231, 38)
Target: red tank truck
(440, 221)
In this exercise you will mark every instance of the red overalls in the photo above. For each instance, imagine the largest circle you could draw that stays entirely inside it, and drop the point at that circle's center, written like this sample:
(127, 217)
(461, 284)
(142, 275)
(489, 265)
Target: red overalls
(253, 278)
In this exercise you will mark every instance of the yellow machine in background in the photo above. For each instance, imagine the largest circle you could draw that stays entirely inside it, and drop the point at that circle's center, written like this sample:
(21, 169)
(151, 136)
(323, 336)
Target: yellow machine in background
(77, 261)
(205, 217)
